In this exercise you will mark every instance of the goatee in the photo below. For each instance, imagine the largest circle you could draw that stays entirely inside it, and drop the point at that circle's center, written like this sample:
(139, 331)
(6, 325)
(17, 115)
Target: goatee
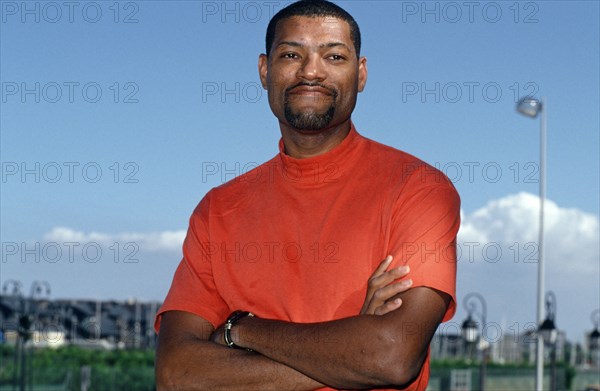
(309, 120)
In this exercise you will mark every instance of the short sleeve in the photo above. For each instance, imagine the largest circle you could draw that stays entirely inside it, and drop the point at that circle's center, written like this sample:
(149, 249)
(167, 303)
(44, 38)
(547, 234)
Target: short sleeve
(425, 222)
(193, 288)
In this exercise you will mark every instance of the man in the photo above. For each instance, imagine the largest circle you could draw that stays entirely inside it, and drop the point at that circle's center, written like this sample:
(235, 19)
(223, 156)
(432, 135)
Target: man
(298, 242)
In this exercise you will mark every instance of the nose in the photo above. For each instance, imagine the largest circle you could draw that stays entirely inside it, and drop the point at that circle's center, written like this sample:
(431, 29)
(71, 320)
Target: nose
(312, 69)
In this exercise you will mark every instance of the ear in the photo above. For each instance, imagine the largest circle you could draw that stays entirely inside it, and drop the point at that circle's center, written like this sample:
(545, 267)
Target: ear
(263, 63)
(362, 73)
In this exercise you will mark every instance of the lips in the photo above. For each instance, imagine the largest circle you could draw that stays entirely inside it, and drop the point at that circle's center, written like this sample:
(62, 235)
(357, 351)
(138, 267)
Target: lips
(309, 90)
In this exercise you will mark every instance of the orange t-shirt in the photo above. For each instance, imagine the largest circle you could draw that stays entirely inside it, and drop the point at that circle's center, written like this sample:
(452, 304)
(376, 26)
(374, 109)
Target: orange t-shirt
(297, 239)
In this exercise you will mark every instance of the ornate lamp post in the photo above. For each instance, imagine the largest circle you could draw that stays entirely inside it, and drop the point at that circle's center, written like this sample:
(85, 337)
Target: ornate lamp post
(595, 337)
(16, 285)
(26, 317)
(16, 291)
(548, 328)
(531, 107)
(470, 330)
(38, 289)
(549, 333)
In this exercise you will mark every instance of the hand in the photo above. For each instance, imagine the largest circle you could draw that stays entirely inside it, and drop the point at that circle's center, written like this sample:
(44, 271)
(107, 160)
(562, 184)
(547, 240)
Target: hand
(217, 335)
(381, 290)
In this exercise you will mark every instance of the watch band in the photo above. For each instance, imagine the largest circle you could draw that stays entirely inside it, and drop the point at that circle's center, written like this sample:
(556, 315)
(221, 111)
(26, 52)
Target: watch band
(231, 320)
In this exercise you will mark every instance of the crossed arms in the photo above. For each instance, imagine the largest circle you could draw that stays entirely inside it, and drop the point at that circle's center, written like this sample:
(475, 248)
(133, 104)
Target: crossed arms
(384, 345)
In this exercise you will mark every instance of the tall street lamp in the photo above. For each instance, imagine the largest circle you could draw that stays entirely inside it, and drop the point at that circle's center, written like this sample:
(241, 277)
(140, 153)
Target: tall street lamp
(37, 291)
(549, 333)
(595, 337)
(27, 316)
(470, 330)
(531, 107)
(16, 292)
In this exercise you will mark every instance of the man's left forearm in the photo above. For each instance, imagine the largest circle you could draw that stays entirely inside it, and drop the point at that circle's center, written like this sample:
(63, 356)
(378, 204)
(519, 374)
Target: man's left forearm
(357, 352)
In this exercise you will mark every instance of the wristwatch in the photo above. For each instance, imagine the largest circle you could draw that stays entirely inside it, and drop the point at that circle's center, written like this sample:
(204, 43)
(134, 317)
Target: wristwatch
(231, 320)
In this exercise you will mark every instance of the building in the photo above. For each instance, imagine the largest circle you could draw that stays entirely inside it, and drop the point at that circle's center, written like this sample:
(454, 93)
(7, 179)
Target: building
(89, 323)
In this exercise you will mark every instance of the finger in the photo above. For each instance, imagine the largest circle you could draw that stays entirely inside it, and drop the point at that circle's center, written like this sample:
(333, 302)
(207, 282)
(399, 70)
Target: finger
(400, 271)
(388, 292)
(389, 306)
(385, 295)
(373, 283)
(389, 276)
(382, 266)
(379, 279)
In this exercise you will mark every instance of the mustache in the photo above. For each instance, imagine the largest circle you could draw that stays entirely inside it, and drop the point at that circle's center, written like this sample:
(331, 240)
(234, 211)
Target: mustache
(316, 84)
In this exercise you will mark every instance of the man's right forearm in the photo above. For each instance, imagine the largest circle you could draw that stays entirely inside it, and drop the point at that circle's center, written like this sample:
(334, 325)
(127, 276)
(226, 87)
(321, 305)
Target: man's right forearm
(195, 364)
(187, 360)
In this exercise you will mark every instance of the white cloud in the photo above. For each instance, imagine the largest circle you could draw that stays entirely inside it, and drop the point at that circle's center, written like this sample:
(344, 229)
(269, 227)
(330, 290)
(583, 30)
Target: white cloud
(151, 241)
(507, 278)
(569, 234)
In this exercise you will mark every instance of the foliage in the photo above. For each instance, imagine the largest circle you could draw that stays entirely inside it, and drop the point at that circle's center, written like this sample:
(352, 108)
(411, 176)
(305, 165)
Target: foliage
(465, 364)
(110, 369)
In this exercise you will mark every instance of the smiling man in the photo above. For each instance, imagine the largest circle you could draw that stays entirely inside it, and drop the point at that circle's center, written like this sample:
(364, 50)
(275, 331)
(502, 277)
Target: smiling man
(281, 285)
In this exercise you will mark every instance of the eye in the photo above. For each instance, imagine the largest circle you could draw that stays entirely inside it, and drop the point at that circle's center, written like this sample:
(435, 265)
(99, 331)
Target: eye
(336, 57)
(290, 56)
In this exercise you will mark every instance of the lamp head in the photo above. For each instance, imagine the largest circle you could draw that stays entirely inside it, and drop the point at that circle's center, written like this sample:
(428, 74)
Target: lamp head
(470, 330)
(529, 106)
(595, 340)
(548, 331)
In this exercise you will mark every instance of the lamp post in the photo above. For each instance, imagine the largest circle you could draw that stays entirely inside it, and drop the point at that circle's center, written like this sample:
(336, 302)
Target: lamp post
(470, 330)
(549, 333)
(16, 291)
(24, 327)
(595, 337)
(38, 289)
(531, 107)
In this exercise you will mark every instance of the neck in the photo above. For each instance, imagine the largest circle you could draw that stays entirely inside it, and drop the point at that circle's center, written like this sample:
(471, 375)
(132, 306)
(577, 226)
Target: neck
(301, 144)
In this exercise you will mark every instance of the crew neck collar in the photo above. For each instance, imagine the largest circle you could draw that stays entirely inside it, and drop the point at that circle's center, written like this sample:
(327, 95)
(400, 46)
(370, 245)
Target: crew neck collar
(321, 168)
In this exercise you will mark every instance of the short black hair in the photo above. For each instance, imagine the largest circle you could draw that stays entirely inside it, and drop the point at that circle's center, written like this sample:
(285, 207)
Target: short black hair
(311, 9)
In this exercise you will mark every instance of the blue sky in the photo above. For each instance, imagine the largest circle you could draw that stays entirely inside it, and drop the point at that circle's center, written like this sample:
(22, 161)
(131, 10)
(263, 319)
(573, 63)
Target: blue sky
(136, 109)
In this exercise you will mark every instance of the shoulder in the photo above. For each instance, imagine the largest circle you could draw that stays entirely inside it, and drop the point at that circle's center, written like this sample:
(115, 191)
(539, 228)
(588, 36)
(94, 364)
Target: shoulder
(238, 191)
(405, 169)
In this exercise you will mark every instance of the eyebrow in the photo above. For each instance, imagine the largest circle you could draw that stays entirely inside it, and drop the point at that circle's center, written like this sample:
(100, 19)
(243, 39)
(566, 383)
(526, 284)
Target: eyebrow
(328, 45)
